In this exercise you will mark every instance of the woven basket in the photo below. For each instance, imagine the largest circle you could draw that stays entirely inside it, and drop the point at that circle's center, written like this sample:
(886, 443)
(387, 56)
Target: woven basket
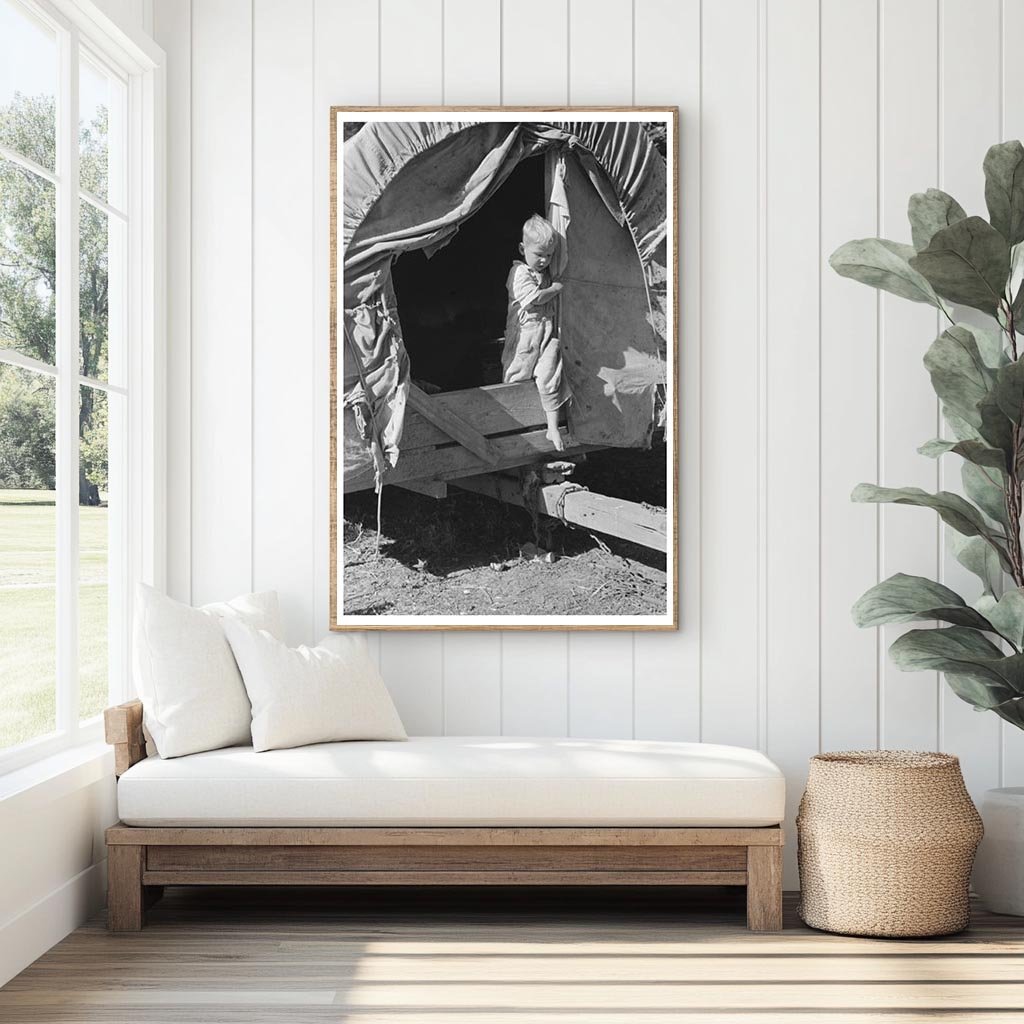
(886, 840)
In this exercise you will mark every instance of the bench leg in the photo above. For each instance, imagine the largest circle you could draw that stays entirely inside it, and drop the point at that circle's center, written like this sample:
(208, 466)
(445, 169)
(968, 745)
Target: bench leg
(125, 896)
(764, 888)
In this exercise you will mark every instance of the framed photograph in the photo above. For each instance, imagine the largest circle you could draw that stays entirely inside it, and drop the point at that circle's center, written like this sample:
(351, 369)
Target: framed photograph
(503, 368)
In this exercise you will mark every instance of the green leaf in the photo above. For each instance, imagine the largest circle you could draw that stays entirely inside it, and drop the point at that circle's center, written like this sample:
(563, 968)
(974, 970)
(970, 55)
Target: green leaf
(929, 212)
(1009, 390)
(883, 264)
(984, 486)
(976, 555)
(952, 509)
(1004, 189)
(962, 430)
(983, 694)
(971, 450)
(903, 598)
(967, 263)
(990, 345)
(958, 372)
(996, 428)
(963, 652)
(1006, 614)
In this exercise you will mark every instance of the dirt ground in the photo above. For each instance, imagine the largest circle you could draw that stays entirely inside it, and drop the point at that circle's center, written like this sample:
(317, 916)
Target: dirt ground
(463, 555)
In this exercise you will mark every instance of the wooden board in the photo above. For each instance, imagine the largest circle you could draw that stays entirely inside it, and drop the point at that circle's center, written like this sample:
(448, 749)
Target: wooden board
(454, 461)
(490, 877)
(598, 859)
(371, 836)
(616, 517)
(454, 426)
(496, 409)
(122, 729)
(542, 957)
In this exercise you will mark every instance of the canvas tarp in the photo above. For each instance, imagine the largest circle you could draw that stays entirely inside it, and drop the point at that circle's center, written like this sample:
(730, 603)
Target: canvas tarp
(409, 185)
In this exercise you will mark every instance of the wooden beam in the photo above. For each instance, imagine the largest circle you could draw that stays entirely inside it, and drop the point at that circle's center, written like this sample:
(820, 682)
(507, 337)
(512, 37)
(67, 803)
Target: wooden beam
(616, 517)
(570, 835)
(764, 889)
(452, 424)
(454, 462)
(122, 729)
(446, 858)
(125, 895)
(431, 488)
(496, 877)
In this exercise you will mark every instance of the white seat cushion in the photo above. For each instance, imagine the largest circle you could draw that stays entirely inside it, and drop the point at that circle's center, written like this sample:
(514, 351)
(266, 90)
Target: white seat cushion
(458, 780)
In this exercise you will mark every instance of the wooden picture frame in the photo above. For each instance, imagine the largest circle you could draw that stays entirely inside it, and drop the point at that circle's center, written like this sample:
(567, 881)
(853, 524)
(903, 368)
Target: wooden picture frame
(463, 435)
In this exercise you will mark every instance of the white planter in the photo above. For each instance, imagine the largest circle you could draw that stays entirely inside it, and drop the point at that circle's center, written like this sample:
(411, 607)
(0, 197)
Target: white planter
(999, 867)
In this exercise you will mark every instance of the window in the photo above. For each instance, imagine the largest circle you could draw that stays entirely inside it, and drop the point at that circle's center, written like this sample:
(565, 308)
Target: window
(76, 339)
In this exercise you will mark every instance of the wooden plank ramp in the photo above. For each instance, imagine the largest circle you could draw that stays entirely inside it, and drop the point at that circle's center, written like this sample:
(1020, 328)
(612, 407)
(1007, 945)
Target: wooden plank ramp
(452, 462)
(454, 434)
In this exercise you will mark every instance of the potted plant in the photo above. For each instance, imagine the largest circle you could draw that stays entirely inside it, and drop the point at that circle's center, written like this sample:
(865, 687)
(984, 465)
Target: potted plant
(977, 372)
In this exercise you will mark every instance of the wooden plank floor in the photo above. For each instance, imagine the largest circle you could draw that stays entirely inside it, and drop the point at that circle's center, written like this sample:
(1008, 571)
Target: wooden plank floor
(219, 956)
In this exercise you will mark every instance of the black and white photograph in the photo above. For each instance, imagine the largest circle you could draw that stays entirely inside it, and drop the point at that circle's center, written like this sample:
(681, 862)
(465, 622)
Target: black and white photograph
(503, 333)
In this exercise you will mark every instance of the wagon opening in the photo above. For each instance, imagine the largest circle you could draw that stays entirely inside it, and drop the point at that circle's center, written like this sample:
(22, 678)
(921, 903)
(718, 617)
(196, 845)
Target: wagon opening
(453, 305)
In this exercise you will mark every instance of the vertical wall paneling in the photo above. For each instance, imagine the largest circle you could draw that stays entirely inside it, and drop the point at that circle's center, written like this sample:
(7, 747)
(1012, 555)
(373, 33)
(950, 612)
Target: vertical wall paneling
(472, 684)
(601, 685)
(349, 82)
(802, 125)
(535, 70)
(411, 71)
(283, 339)
(909, 413)
(414, 670)
(534, 697)
(1012, 127)
(849, 369)
(729, 281)
(601, 72)
(472, 74)
(221, 370)
(792, 416)
(968, 125)
(600, 51)
(411, 68)
(534, 52)
(173, 27)
(472, 52)
(666, 670)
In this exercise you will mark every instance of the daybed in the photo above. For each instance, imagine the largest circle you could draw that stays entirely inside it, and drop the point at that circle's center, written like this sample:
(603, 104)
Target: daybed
(444, 811)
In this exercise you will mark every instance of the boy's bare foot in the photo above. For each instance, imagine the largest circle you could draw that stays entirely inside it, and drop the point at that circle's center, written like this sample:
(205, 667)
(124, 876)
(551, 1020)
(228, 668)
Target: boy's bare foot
(555, 437)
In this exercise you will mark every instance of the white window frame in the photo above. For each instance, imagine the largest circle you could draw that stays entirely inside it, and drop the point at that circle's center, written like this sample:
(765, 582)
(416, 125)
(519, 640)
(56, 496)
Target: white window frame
(140, 64)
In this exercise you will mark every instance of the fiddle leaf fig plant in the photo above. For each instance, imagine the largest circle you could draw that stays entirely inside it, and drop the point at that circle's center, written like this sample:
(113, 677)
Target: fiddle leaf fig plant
(978, 374)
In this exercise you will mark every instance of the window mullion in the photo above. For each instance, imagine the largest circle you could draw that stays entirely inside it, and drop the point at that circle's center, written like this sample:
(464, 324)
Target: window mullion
(67, 386)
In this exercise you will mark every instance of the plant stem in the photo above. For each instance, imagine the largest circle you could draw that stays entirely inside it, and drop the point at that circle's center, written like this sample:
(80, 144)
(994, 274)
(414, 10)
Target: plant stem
(1012, 495)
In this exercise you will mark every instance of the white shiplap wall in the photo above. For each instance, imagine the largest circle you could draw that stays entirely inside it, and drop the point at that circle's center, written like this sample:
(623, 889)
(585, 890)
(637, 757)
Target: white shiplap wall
(804, 123)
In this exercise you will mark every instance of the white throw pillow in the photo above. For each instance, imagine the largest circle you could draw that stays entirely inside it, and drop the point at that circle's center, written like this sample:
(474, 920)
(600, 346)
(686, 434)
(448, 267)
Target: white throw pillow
(309, 694)
(192, 693)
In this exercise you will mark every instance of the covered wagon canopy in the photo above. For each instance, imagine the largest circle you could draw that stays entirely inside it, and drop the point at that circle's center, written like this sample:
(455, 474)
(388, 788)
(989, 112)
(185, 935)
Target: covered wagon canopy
(409, 185)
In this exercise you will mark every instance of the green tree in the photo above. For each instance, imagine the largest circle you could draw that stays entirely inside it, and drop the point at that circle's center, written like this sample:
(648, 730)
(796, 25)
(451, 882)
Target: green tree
(26, 430)
(28, 278)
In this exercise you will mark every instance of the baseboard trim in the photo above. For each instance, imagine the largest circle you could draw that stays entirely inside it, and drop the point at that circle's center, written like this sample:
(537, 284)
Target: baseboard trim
(26, 937)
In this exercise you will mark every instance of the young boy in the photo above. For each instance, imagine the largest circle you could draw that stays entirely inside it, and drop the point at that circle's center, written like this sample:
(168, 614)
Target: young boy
(531, 348)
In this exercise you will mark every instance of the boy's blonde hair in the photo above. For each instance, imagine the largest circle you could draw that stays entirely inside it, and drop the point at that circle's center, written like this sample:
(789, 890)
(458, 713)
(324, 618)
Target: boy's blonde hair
(538, 231)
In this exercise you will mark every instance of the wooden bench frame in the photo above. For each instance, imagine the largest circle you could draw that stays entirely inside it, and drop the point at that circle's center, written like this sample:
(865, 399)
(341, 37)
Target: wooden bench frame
(142, 860)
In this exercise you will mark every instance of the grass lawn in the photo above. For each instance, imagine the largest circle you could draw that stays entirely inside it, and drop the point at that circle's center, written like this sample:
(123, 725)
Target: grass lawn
(28, 614)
